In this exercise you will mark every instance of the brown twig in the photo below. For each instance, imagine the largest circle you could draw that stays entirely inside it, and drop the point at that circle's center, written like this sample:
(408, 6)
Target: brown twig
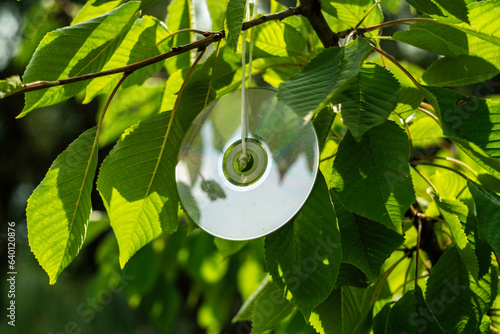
(210, 37)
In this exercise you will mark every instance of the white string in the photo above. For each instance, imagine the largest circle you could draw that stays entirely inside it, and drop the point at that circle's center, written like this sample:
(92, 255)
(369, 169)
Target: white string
(250, 53)
(243, 158)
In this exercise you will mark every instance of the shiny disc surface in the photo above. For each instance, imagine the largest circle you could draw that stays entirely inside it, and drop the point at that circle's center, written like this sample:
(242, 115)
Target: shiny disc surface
(240, 203)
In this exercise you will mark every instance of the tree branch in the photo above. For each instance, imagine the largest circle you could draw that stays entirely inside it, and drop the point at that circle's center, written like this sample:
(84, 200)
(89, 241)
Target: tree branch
(210, 37)
(311, 9)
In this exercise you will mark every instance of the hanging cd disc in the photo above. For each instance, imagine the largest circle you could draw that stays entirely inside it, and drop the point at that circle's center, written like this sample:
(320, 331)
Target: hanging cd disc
(237, 203)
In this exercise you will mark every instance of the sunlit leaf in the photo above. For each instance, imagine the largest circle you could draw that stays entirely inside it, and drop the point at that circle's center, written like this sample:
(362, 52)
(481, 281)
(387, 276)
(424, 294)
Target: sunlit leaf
(129, 106)
(140, 194)
(279, 39)
(58, 210)
(347, 14)
(325, 76)
(147, 38)
(369, 99)
(372, 177)
(73, 51)
(306, 279)
(179, 17)
(459, 71)
(435, 37)
(10, 86)
(94, 8)
(216, 9)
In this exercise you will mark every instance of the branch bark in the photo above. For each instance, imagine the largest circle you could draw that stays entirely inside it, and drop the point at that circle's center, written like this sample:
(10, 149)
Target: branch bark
(210, 37)
(311, 9)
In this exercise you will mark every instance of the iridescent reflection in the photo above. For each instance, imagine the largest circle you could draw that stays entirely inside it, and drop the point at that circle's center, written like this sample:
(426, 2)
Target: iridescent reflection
(235, 212)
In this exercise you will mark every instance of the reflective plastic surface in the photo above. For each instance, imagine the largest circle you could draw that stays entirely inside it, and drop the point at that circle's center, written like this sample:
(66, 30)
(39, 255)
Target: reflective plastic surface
(241, 204)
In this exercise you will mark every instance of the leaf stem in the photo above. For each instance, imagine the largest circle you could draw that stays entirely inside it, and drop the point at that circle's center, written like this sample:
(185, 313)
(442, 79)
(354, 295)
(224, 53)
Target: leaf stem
(428, 113)
(381, 282)
(426, 179)
(456, 161)
(401, 67)
(368, 12)
(419, 235)
(125, 75)
(424, 163)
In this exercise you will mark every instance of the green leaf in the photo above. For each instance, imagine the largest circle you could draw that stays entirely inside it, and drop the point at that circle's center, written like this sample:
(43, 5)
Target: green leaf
(325, 76)
(369, 99)
(372, 177)
(459, 71)
(228, 247)
(303, 257)
(481, 16)
(408, 102)
(347, 14)
(350, 275)
(129, 106)
(146, 38)
(473, 124)
(73, 51)
(10, 85)
(216, 9)
(425, 6)
(455, 299)
(436, 38)
(365, 243)
(344, 312)
(483, 38)
(279, 39)
(245, 311)
(411, 313)
(457, 8)
(488, 214)
(323, 123)
(137, 183)
(58, 211)
(235, 14)
(269, 309)
(94, 8)
(179, 17)
(453, 212)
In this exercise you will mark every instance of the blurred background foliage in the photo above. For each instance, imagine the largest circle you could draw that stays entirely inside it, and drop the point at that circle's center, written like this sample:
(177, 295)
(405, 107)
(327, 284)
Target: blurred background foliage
(181, 283)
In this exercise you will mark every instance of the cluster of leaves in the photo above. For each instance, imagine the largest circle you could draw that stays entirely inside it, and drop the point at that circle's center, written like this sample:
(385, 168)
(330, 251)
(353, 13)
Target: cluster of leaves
(406, 206)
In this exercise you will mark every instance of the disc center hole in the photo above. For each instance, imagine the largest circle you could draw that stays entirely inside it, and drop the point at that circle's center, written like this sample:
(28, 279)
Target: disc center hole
(249, 164)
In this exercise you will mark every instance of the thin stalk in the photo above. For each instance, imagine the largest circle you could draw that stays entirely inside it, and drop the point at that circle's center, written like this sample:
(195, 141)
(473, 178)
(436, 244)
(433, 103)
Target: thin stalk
(426, 179)
(418, 246)
(401, 67)
(428, 113)
(424, 163)
(455, 161)
(368, 12)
